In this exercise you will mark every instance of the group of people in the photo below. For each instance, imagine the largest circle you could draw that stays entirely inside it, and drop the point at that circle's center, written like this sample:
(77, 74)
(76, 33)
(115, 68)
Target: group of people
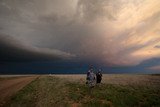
(93, 79)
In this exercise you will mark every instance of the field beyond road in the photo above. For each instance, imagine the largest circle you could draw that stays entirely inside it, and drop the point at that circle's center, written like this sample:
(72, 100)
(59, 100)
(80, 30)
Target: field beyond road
(71, 91)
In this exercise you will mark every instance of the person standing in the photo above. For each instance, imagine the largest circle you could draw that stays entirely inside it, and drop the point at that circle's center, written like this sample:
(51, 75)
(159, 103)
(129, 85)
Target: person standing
(98, 76)
(88, 74)
(91, 78)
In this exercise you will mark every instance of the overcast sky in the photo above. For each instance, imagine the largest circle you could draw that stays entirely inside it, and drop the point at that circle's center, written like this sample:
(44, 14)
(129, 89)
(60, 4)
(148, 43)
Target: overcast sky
(112, 32)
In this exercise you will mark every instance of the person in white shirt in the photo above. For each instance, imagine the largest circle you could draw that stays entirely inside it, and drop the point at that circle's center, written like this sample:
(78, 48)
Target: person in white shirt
(91, 78)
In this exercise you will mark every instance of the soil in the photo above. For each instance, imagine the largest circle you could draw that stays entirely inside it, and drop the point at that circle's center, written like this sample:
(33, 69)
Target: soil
(9, 87)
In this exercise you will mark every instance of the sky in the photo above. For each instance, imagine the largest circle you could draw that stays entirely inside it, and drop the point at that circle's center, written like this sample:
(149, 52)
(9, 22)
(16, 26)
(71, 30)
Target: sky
(42, 36)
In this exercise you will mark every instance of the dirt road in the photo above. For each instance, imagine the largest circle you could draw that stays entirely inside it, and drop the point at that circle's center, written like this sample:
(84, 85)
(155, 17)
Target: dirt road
(9, 87)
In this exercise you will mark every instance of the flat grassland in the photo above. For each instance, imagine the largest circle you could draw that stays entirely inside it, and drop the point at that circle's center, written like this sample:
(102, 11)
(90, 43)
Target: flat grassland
(71, 91)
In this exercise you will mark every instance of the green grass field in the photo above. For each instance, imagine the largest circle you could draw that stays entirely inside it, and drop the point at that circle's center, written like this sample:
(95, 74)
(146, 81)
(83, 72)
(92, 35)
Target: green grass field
(51, 91)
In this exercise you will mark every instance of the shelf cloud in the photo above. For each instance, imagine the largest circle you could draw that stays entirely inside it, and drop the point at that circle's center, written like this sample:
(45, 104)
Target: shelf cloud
(112, 32)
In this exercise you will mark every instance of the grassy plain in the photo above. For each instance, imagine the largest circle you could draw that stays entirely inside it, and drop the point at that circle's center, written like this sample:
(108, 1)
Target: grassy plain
(71, 91)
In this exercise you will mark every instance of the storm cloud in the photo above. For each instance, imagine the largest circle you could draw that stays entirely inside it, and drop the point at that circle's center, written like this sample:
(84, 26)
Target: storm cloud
(112, 32)
(13, 50)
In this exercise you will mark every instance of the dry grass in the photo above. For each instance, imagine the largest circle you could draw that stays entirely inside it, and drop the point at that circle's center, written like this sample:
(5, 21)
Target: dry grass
(71, 91)
(121, 79)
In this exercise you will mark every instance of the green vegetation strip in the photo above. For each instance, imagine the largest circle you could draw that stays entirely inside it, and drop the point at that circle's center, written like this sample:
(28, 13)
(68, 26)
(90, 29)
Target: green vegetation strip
(51, 91)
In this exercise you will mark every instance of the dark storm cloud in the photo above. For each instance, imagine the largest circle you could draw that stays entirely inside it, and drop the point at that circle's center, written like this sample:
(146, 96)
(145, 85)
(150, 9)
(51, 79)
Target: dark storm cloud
(110, 31)
(13, 50)
(21, 20)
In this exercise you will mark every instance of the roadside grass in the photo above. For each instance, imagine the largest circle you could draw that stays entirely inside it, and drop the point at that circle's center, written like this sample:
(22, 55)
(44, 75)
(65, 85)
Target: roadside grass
(42, 92)
(25, 97)
(51, 91)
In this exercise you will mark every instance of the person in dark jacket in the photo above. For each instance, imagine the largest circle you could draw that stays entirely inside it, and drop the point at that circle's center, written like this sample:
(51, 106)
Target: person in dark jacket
(98, 76)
